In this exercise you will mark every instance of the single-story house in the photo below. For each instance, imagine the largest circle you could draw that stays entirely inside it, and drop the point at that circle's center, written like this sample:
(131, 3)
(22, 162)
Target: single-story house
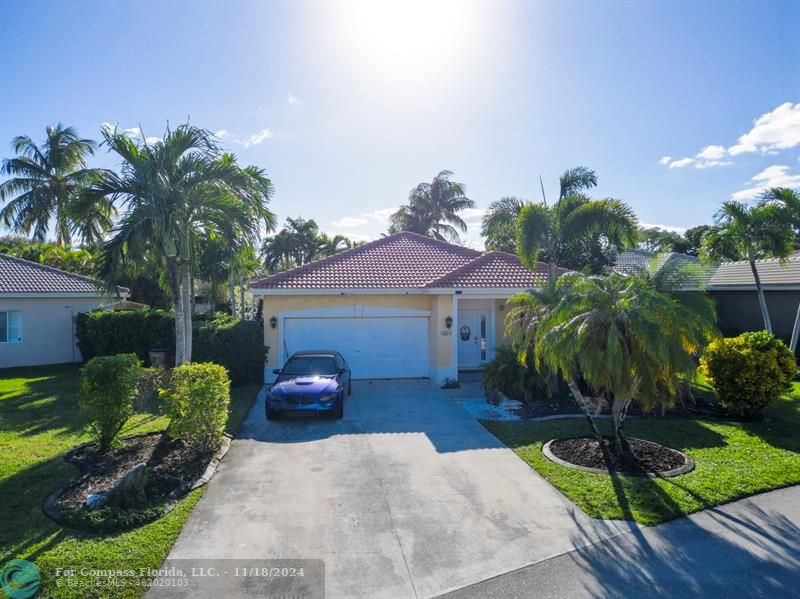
(38, 305)
(733, 288)
(402, 306)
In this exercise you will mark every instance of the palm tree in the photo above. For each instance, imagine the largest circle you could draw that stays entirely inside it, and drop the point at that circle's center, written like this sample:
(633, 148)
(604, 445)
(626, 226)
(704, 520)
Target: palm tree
(619, 336)
(789, 200)
(174, 192)
(574, 226)
(743, 232)
(44, 185)
(328, 246)
(433, 208)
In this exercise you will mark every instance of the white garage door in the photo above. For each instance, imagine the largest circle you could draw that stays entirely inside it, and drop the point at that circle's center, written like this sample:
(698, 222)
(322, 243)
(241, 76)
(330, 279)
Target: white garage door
(373, 347)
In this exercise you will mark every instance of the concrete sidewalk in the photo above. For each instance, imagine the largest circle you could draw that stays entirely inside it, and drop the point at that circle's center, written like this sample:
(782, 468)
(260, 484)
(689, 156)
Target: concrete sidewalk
(749, 548)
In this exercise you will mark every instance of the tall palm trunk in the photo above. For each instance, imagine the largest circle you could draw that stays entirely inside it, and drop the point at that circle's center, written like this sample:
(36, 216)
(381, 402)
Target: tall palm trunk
(186, 277)
(177, 305)
(795, 331)
(241, 298)
(551, 261)
(232, 291)
(762, 301)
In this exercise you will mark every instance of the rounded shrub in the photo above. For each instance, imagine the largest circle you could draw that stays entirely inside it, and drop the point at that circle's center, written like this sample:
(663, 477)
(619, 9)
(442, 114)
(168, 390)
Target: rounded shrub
(749, 371)
(197, 403)
(108, 388)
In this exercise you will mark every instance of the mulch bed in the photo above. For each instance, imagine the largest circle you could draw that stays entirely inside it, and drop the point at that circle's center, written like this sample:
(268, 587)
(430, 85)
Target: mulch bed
(585, 452)
(548, 407)
(171, 468)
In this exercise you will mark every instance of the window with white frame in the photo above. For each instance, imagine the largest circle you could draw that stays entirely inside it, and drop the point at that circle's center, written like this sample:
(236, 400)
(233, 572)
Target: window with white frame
(10, 326)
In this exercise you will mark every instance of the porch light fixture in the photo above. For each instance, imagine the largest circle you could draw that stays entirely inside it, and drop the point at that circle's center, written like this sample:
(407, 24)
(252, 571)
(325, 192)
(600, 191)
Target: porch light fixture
(448, 322)
(273, 322)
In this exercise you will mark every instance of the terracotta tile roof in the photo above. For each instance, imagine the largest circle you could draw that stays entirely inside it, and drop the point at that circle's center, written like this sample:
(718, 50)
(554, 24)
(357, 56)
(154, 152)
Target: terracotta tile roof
(495, 269)
(404, 260)
(21, 276)
(772, 272)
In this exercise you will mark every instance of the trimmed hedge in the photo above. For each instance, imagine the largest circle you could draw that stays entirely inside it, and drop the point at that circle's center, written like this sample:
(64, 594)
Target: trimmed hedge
(220, 338)
(749, 371)
(197, 402)
(106, 396)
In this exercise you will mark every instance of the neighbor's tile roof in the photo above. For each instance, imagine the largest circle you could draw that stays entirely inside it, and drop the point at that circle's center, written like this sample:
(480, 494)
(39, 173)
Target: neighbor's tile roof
(22, 276)
(771, 272)
(404, 260)
(637, 261)
(495, 269)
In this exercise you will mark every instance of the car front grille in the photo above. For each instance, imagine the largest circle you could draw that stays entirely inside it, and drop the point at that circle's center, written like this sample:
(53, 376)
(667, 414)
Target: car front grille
(305, 400)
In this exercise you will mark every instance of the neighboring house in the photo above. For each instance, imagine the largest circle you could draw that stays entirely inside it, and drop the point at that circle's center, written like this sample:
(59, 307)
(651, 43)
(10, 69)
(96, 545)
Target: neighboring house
(402, 306)
(733, 287)
(38, 305)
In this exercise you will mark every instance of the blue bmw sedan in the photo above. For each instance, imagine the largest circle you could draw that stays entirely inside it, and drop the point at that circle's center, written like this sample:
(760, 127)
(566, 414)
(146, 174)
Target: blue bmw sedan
(311, 382)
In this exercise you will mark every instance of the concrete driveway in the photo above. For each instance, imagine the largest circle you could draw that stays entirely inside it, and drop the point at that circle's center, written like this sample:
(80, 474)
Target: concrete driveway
(407, 496)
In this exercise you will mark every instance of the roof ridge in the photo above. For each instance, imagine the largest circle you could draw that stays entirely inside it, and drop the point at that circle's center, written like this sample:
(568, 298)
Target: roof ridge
(457, 271)
(303, 268)
(48, 267)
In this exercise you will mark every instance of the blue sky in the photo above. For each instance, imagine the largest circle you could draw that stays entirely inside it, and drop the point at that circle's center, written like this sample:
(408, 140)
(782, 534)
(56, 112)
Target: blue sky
(348, 106)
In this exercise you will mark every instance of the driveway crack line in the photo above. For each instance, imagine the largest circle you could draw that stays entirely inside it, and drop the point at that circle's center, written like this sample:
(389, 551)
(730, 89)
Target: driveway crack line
(384, 496)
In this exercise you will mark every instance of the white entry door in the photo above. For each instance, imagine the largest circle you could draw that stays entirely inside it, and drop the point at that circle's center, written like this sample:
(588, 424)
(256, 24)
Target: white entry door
(373, 347)
(473, 338)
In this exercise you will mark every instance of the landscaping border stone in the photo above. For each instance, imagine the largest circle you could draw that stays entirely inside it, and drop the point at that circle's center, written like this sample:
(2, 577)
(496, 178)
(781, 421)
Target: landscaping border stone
(50, 507)
(688, 465)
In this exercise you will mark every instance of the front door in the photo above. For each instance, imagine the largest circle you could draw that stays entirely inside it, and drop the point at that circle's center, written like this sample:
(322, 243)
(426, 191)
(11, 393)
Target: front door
(473, 338)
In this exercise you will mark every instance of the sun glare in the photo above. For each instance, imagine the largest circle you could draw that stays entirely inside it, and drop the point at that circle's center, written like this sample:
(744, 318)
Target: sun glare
(407, 38)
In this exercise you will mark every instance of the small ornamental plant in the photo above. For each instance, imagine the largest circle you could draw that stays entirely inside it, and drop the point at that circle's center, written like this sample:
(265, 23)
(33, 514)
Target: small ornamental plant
(107, 393)
(197, 400)
(749, 371)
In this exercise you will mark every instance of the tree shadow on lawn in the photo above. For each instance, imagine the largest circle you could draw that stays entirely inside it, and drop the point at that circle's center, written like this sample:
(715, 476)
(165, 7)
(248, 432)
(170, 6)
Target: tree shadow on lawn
(21, 495)
(47, 401)
(752, 552)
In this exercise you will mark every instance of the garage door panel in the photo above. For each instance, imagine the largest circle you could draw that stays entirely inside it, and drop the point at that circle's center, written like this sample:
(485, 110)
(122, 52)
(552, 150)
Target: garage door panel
(373, 347)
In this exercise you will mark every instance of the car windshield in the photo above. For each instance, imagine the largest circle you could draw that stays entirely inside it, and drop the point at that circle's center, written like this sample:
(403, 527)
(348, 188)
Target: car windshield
(310, 366)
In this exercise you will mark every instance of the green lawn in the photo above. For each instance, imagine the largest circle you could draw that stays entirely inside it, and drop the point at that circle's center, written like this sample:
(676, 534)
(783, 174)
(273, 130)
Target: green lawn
(733, 460)
(39, 421)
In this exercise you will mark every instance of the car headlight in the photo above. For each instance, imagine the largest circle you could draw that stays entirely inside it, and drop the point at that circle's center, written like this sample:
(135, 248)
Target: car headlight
(271, 397)
(331, 397)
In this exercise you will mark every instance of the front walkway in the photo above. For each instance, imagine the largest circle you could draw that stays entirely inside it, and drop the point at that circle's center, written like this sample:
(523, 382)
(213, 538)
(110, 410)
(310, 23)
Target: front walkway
(407, 496)
(749, 548)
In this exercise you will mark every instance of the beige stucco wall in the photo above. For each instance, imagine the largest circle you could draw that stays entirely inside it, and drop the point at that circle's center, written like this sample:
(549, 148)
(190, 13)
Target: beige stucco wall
(47, 330)
(439, 306)
(443, 362)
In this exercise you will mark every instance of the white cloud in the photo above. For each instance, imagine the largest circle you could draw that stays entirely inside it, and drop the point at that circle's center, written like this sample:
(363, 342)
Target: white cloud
(381, 215)
(256, 138)
(350, 221)
(771, 132)
(251, 140)
(670, 228)
(712, 153)
(681, 163)
(292, 99)
(776, 130)
(777, 175)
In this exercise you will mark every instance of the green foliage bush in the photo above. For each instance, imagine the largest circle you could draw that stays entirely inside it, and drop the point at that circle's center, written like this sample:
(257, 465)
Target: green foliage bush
(748, 371)
(106, 396)
(238, 345)
(518, 381)
(219, 338)
(107, 332)
(197, 403)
